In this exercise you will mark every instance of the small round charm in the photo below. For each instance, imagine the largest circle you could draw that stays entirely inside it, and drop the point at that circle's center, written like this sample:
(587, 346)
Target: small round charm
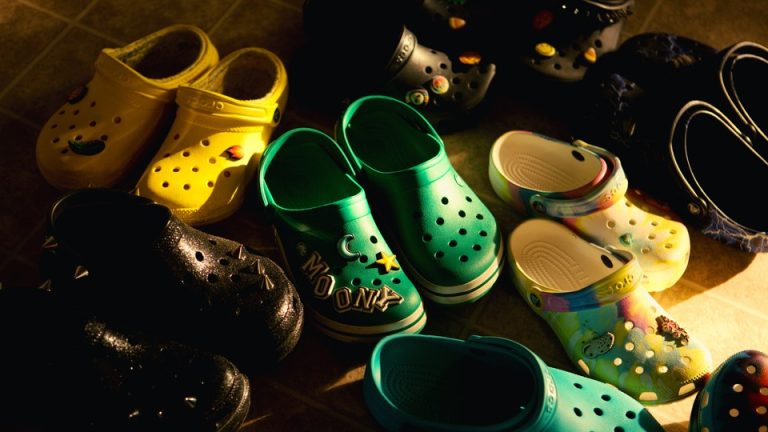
(440, 84)
(417, 97)
(456, 23)
(470, 58)
(235, 152)
(545, 50)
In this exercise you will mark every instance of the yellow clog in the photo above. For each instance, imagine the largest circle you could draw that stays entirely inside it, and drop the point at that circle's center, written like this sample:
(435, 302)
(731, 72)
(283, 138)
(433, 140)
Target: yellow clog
(222, 126)
(107, 125)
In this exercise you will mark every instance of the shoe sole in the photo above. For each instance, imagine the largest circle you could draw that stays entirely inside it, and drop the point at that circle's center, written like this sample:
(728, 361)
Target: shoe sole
(413, 323)
(237, 418)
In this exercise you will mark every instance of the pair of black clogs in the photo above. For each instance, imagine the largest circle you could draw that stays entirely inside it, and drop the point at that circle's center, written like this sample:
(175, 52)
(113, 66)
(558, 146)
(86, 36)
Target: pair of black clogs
(689, 122)
(144, 324)
(440, 56)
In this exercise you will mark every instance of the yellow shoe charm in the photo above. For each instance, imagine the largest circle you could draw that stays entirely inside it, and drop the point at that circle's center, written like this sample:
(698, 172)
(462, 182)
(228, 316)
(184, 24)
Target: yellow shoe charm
(109, 124)
(223, 124)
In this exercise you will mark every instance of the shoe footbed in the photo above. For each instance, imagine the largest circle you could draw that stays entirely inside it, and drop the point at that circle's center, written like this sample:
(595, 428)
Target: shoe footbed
(555, 258)
(165, 56)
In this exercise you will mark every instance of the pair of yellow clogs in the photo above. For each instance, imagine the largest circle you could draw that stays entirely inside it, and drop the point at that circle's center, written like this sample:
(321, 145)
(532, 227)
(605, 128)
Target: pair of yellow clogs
(221, 115)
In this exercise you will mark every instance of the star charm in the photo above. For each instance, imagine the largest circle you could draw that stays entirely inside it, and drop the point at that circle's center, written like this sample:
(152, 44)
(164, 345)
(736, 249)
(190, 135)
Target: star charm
(387, 262)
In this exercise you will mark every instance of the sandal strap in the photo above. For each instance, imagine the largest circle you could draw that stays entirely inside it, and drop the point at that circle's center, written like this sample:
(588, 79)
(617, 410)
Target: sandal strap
(605, 194)
(601, 13)
(138, 90)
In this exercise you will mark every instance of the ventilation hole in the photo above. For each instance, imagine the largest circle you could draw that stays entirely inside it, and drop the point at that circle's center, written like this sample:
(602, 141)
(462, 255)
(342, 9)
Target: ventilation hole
(103, 137)
(167, 155)
(639, 370)
(428, 69)
(632, 222)
(738, 388)
(396, 281)
(426, 237)
(65, 150)
(733, 412)
(578, 156)
(212, 241)
(212, 160)
(629, 346)
(761, 410)
(630, 415)
(92, 123)
(469, 199)
(205, 143)
(78, 137)
(479, 216)
(452, 243)
(627, 203)
(663, 369)
(477, 247)
(606, 261)
(673, 232)
(618, 429)
(210, 184)
(443, 66)
(462, 213)
(176, 169)
(751, 369)
(598, 411)
(76, 112)
(629, 325)
(440, 221)
(644, 250)
(462, 231)
(158, 169)
(55, 140)
(557, 66)
(356, 281)
(444, 200)
(578, 385)
(463, 258)
(598, 43)
(651, 236)
(483, 234)
(235, 277)
(473, 85)
(93, 104)
(649, 354)
(199, 256)
(166, 184)
(439, 254)
(617, 361)
(764, 391)
(195, 169)
(363, 259)
(71, 127)
(187, 187)
(227, 174)
(117, 120)
(577, 412)
(376, 282)
(605, 397)
(224, 261)
(212, 278)
(686, 360)
(62, 112)
(668, 246)
(611, 224)
(654, 223)
(374, 240)
(185, 154)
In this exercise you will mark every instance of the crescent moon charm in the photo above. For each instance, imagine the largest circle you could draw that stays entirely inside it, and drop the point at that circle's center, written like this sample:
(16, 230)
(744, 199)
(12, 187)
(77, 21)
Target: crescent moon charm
(343, 247)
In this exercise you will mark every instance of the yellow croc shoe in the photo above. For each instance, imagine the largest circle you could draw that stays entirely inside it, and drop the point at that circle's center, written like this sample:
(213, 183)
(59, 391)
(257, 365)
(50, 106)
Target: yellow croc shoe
(222, 127)
(109, 124)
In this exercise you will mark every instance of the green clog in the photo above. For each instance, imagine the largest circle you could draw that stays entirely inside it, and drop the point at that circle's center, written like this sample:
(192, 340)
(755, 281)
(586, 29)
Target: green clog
(436, 383)
(447, 238)
(346, 274)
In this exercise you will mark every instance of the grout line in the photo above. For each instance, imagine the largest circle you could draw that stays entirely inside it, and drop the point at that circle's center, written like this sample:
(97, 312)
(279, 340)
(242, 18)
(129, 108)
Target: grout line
(317, 405)
(287, 5)
(223, 17)
(74, 22)
(46, 50)
(20, 119)
(649, 18)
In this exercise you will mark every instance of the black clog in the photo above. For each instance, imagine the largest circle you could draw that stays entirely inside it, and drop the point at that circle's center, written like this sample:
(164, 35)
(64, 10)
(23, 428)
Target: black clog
(132, 262)
(67, 371)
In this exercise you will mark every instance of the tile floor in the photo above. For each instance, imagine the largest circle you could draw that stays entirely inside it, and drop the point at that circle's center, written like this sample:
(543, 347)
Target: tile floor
(49, 46)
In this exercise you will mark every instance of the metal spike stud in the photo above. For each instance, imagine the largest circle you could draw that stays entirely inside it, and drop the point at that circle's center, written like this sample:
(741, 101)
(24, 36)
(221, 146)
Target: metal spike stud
(239, 253)
(260, 267)
(50, 243)
(81, 272)
(266, 283)
(46, 286)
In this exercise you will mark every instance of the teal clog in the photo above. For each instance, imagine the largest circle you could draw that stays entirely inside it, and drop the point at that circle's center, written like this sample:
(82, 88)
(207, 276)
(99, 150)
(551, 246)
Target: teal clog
(436, 383)
(337, 257)
(447, 238)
